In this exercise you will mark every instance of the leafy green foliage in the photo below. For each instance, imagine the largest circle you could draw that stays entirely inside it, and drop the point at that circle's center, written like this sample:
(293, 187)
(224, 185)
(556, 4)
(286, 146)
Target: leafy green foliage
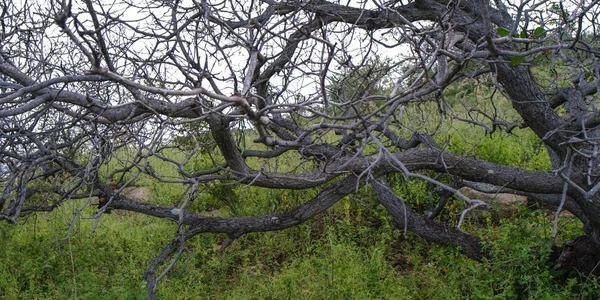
(517, 60)
(539, 32)
(502, 31)
(350, 252)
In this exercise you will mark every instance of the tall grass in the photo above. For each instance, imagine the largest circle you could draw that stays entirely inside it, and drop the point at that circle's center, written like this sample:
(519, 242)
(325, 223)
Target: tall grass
(351, 252)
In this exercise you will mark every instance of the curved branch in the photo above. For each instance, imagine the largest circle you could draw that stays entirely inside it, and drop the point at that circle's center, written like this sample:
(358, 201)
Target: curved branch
(278, 221)
(404, 217)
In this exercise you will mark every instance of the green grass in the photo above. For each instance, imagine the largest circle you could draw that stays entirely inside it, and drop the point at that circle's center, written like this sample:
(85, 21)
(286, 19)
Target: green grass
(351, 252)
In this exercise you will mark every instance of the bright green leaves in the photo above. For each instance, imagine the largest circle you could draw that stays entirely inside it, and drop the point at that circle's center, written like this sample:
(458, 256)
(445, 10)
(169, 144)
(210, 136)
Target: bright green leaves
(523, 34)
(516, 60)
(502, 31)
(537, 33)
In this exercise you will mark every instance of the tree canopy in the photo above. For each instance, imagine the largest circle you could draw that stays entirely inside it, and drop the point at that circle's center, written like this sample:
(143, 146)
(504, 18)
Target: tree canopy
(348, 95)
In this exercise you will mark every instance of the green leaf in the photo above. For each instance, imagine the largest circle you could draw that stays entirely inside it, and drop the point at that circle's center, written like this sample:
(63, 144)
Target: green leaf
(502, 31)
(539, 32)
(523, 34)
(516, 60)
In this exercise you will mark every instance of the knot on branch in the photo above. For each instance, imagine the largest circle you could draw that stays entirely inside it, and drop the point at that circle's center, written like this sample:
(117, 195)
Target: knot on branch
(323, 152)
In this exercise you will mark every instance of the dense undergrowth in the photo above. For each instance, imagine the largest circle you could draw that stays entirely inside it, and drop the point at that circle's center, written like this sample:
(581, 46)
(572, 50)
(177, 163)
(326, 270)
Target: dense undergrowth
(351, 252)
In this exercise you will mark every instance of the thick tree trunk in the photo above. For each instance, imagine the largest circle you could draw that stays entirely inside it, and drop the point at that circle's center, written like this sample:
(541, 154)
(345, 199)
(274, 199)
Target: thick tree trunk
(530, 103)
(581, 255)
